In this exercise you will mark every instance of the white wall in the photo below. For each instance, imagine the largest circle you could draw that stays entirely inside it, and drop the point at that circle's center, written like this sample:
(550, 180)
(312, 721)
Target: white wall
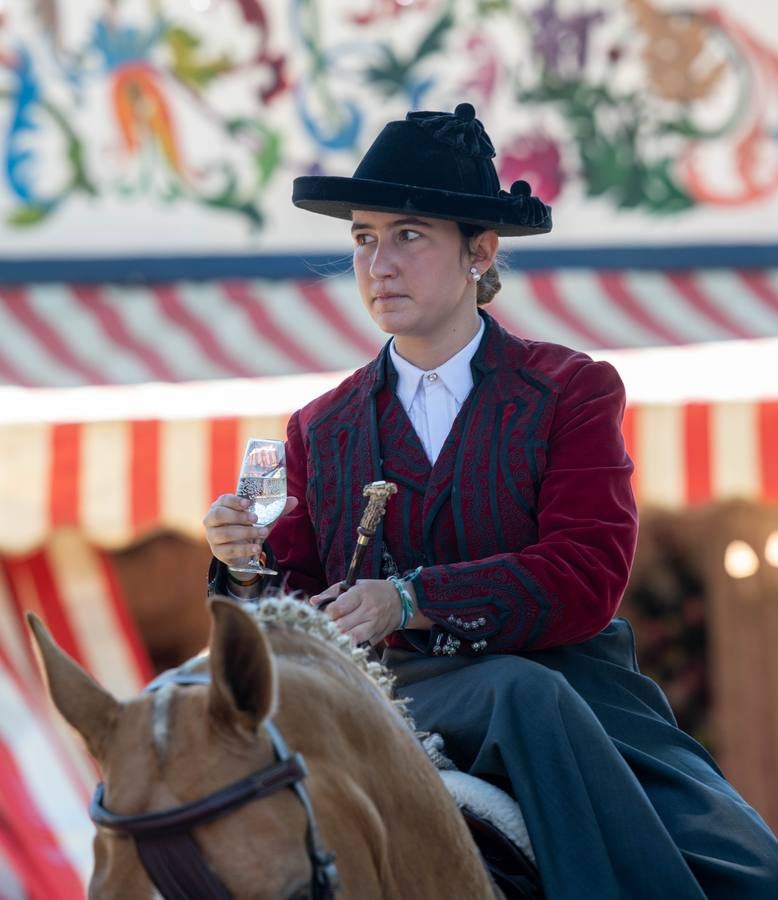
(150, 95)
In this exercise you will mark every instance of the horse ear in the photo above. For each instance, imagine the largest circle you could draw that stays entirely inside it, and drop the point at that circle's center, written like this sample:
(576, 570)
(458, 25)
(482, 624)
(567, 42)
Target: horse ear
(243, 680)
(90, 709)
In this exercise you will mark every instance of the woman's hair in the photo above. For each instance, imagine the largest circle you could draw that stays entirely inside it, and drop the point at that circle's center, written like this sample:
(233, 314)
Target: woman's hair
(489, 285)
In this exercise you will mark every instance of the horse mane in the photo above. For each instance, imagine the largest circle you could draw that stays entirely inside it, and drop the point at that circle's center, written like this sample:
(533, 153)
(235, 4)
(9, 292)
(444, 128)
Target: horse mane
(291, 613)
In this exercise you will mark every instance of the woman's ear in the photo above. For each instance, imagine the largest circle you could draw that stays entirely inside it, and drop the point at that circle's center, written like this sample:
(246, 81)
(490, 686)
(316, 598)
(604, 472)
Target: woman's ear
(483, 249)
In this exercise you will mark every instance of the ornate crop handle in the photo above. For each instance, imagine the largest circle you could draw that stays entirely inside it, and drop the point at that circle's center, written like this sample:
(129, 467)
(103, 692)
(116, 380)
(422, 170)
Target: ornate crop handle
(377, 493)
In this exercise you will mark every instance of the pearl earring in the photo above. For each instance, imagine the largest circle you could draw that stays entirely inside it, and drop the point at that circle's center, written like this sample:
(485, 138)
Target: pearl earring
(475, 274)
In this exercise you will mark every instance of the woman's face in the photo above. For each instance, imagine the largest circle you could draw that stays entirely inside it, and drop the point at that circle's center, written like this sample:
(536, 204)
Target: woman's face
(412, 274)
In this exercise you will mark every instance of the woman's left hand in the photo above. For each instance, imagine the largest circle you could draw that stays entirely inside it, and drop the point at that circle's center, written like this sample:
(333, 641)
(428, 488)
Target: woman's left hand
(369, 611)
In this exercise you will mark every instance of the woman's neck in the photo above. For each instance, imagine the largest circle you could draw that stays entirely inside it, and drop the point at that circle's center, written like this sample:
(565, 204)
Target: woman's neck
(428, 352)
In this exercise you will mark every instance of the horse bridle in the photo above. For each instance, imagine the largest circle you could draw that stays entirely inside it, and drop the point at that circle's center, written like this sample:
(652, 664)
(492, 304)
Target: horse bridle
(164, 839)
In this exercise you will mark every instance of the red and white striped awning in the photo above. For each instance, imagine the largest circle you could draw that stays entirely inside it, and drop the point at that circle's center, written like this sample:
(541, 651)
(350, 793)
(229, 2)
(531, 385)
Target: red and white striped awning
(46, 776)
(117, 480)
(64, 334)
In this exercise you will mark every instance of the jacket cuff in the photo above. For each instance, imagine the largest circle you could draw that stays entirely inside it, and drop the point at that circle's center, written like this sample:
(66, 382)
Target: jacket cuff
(454, 635)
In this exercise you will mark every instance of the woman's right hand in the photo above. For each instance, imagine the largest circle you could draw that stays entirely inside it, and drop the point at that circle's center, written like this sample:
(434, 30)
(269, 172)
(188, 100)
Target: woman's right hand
(230, 528)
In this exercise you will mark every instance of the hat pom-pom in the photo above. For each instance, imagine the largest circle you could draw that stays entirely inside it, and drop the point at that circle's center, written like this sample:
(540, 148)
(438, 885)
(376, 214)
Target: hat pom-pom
(521, 189)
(536, 212)
(465, 111)
(459, 129)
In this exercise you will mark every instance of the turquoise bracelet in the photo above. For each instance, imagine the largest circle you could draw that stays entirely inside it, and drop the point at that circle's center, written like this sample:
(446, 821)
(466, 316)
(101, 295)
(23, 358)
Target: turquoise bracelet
(405, 599)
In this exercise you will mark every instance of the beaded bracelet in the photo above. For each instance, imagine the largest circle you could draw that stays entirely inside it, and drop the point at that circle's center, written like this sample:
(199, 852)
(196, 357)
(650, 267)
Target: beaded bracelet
(406, 600)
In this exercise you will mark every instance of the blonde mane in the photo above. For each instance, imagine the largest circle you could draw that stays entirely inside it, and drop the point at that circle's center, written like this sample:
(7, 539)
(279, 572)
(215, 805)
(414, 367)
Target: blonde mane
(294, 614)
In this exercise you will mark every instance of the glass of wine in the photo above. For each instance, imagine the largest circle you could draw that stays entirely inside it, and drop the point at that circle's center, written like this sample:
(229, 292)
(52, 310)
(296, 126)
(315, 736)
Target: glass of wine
(263, 480)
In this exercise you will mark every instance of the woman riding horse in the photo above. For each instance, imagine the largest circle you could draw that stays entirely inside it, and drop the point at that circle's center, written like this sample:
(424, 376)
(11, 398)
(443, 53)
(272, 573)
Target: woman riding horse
(501, 561)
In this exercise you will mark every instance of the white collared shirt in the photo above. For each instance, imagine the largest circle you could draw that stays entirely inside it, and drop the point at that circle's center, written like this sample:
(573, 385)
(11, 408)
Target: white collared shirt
(433, 398)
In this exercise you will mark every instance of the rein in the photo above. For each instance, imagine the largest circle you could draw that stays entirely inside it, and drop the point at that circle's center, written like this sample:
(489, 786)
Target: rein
(164, 840)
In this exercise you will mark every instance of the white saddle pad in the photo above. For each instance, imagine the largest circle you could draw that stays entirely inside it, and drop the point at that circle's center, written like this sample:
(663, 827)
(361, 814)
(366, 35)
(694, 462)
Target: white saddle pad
(480, 797)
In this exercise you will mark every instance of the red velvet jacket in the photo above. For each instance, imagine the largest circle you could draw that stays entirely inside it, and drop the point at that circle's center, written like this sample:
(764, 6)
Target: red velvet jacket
(525, 526)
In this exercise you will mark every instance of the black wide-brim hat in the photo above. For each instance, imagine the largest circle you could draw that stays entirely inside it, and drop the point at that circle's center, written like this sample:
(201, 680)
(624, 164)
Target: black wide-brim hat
(430, 164)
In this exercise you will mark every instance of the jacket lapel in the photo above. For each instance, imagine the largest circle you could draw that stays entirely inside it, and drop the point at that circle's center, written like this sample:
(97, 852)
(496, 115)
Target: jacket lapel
(404, 459)
(474, 465)
(344, 456)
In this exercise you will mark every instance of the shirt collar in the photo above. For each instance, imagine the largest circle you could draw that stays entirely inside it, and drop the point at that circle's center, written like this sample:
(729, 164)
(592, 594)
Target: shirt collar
(454, 372)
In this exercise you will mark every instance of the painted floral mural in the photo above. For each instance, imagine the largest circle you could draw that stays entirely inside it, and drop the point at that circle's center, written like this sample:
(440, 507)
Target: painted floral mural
(705, 80)
(215, 104)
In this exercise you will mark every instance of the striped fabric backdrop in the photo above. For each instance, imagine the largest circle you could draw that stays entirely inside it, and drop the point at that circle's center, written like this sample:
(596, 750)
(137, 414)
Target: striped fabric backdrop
(68, 335)
(117, 480)
(696, 452)
(45, 774)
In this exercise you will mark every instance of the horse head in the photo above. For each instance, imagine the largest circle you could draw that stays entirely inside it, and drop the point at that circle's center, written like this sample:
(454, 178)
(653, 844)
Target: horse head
(379, 805)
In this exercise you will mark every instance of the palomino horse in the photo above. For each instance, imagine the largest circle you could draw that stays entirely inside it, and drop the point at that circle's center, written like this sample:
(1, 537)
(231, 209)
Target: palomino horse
(378, 802)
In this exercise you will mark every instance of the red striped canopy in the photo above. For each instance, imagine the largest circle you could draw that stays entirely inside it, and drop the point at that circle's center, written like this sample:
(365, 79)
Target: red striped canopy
(118, 480)
(45, 775)
(64, 334)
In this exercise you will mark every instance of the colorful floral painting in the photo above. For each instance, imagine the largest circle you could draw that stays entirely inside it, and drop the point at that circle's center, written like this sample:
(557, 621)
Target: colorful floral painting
(657, 107)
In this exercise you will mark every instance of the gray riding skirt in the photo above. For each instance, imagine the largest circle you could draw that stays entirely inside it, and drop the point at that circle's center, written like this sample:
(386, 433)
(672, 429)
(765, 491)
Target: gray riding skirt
(619, 802)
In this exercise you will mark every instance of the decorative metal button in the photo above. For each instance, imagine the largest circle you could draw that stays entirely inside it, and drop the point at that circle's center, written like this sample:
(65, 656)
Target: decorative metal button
(452, 645)
(431, 376)
(449, 648)
(467, 626)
